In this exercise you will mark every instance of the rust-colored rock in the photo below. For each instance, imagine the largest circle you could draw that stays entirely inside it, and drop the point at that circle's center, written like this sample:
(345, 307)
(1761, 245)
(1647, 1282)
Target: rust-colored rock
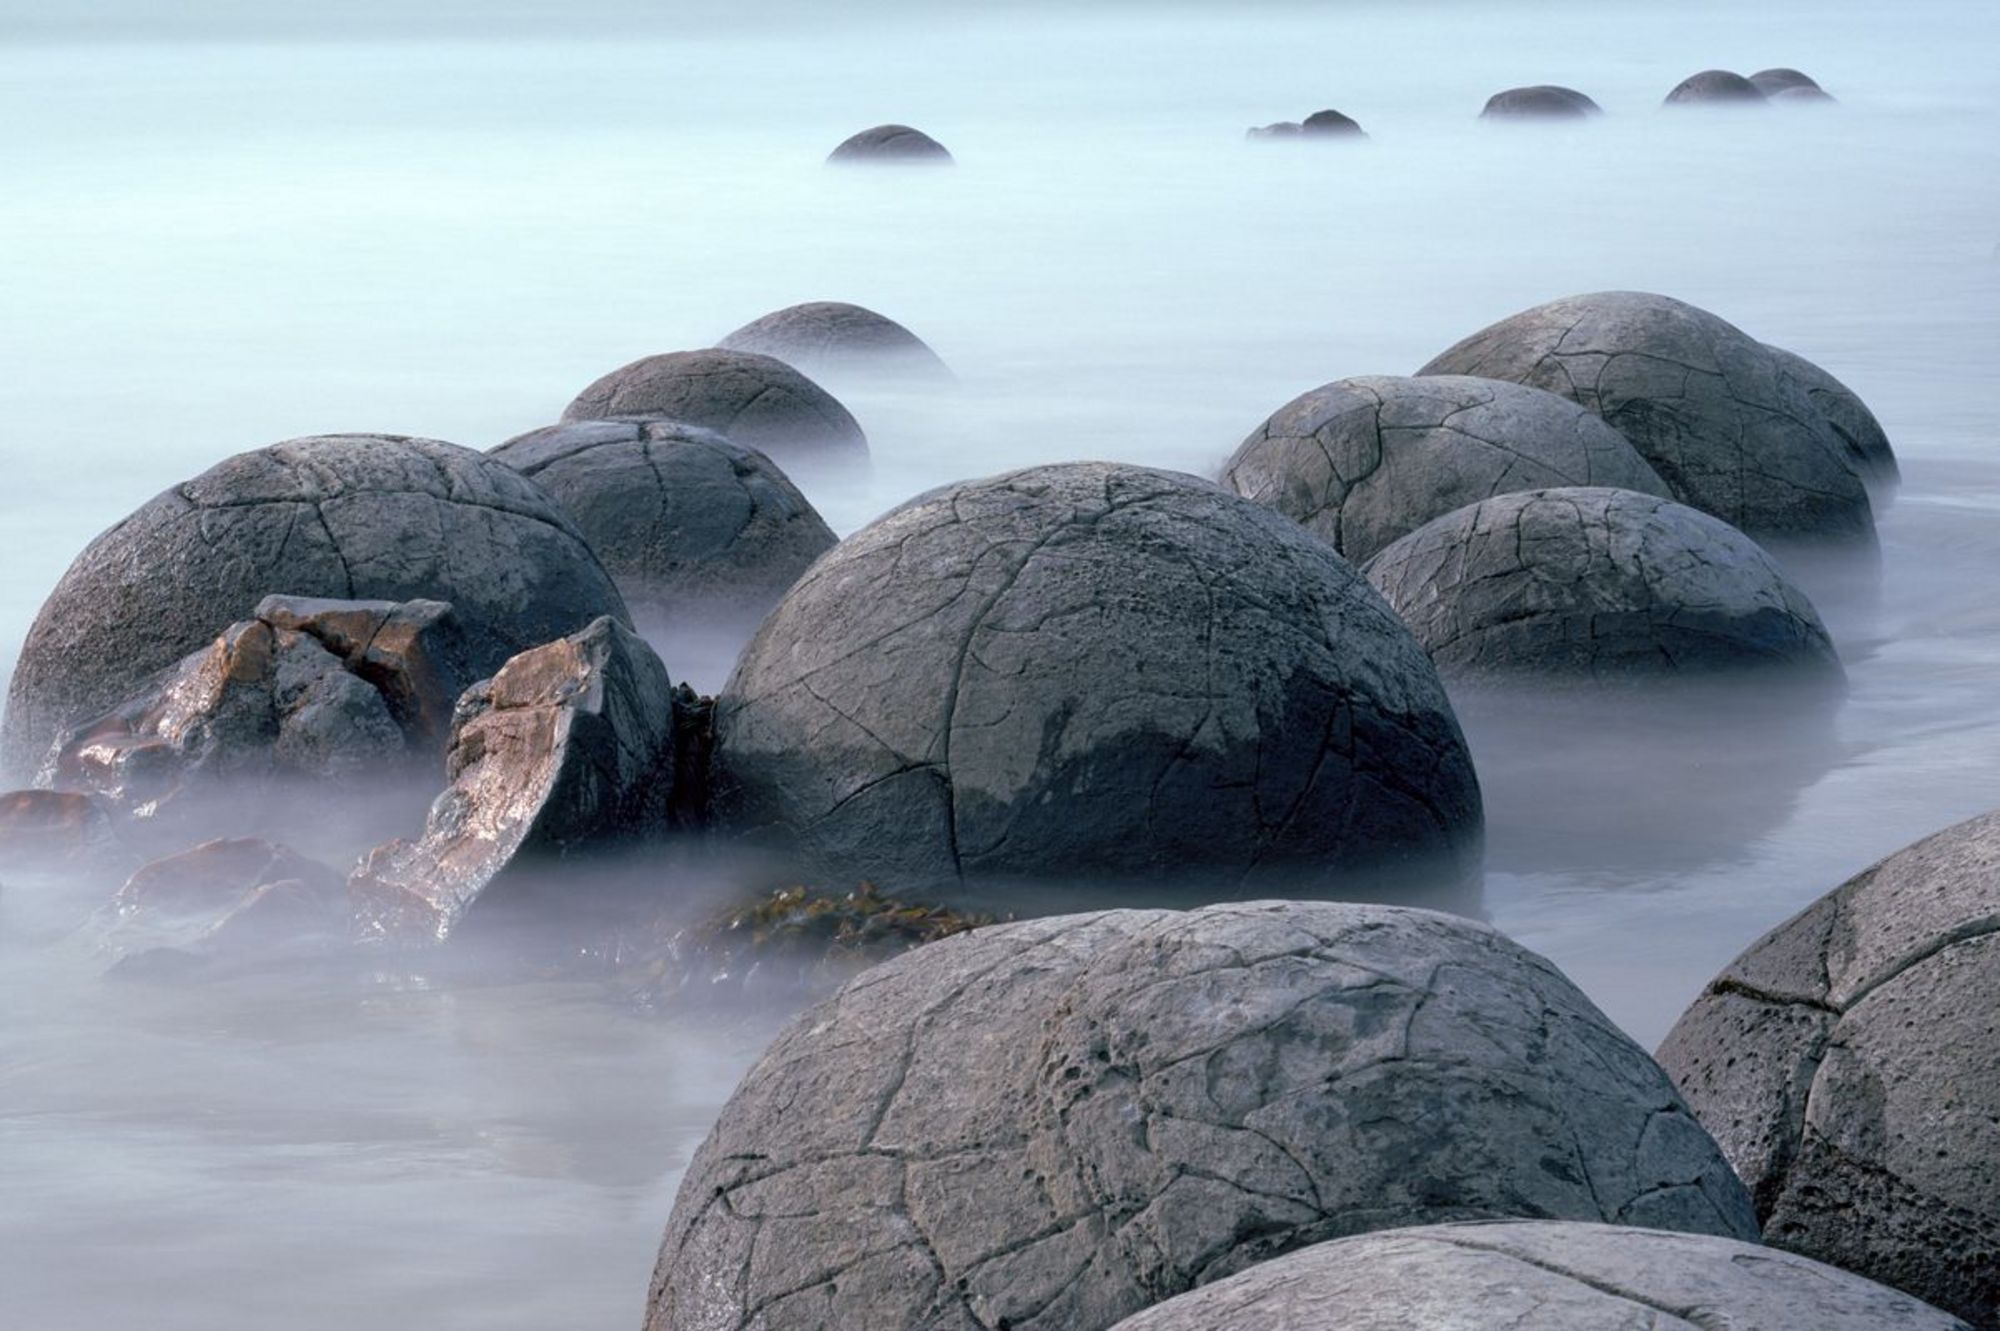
(216, 877)
(40, 826)
(235, 897)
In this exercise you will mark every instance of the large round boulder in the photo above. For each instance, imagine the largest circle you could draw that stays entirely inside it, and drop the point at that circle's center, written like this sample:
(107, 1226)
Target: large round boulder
(355, 517)
(1543, 101)
(1594, 582)
(693, 528)
(890, 143)
(1771, 82)
(1331, 124)
(1715, 87)
(1361, 462)
(1049, 1126)
(1862, 436)
(832, 335)
(1089, 671)
(1849, 1063)
(1547, 1275)
(1706, 404)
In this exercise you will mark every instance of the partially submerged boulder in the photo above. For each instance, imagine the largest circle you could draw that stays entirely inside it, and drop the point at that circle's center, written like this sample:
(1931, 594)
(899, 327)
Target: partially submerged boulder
(823, 336)
(1771, 82)
(1715, 87)
(1866, 443)
(1543, 101)
(1282, 129)
(236, 898)
(1052, 1125)
(1331, 124)
(890, 144)
(51, 827)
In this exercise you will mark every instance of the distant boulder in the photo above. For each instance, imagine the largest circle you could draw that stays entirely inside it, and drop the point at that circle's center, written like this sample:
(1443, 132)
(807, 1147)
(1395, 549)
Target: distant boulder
(1283, 129)
(833, 336)
(1543, 101)
(1331, 124)
(890, 144)
(1771, 82)
(1715, 87)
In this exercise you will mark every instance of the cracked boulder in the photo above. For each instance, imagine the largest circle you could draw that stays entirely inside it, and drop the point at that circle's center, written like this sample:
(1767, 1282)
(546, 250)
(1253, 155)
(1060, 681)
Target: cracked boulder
(1595, 582)
(1715, 87)
(567, 752)
(1866, 443)
(694, 528)
(1712, 410)
(1543, 101)
(1361, 462)
(1545, 1275)
(359, 517)
(1052, 1125)
(1096, 671)
(897, 144)
(824, 336)
(1849, 1063)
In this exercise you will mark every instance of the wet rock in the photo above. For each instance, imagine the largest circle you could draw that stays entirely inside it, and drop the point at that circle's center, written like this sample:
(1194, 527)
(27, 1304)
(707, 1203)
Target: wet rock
(1330, 124)
(349, 516)
(824, 336)
(1849, 1063)
(1543, 101)
(1715, 87)
(695, 529)
(1596, 582)
(1088, 669)
(898, 144)
(1866, 444)
(237, 898)
(1283, 129)
(1058, 1123)
(1771, 82)
(1361, 462)
(414, 653)
(567, 751)
(1548, 1275)
(51, 827)
(1710, 408)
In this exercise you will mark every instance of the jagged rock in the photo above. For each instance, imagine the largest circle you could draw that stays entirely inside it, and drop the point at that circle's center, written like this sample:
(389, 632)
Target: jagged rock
(351, 516)
(1715, 87)
(757, 401)
(1543, 101)
(1866, 443)
(890, 143)
(1709, 407)
(1088, 669)
(695, 529)
(1330, 124)
(48, 826)
(1849, 1063)
(1595, 582)
(1283, 129)
(1547, 1275)
(236, 897)
(1057, 1123)
(567, 751)
(413, 653)
(832, 336)
(1771, 82)
(1363, 461)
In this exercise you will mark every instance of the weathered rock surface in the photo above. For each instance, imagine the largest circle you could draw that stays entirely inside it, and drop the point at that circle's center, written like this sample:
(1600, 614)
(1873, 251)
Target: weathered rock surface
(1543, 101)
(1849, 1063)
(1715, 87)
(1770, 82)
(1866, 443)
(1707, 405)
(695, 529)
(1361, 462)
(50, 827)
(235, 897)
(351, 516)
(756, 401)
(1058, 1123)
(568, 750)
(1331, 124)
(898, 144)
(1595, 582)
(833, 336)
(1545, 1275)
(1088, 669)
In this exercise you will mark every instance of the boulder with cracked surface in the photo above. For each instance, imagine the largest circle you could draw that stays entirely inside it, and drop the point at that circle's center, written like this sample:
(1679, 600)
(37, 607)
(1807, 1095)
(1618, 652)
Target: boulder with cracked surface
(1360, 462)
(1592, 582)
(1052, 1125)
(1545, 1275)
(896, 145)
(834, 336)
(1094, 670)
(1866, 442)
(1849, 1063)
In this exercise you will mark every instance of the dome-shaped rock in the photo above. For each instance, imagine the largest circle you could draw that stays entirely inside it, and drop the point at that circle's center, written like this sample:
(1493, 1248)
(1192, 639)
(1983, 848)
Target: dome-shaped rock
(825, 335)
(1543, 101)
(890, 143)
(1361, 462)
(1771, 82)
(1715, 87)
(1331, 124)
(1866, 443)
(1802, 96)
(1049, 1126)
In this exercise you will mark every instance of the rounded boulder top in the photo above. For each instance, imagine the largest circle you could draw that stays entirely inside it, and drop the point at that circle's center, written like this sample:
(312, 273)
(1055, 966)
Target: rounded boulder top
(1771, 82)
(1706, 404)
(757, 401)
(1543, 101)
(1361, 462)
(1548, 1275)
(1094, 673)
(1866, 442)
(1715, 87)
(1595, 582)
(833, 335)
(1052, 1125)
(890, 144)
(352, 517)
(1331, 124)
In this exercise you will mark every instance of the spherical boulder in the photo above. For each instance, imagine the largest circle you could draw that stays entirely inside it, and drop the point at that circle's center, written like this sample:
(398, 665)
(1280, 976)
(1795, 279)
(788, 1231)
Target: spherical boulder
(1771, 82)
(1543, 101)
(1595, 582)
(1089, 671)
(758, 401)
(1802, 96)
(1862, 437)
(374, 517)
(1548, 1275)
(831, 335)
(1706, 404)
(693, 528)
(1054, 1124)
(1361, 462)
(1849, 1063)
(898, 144)
(1715, 87)
(1331, 124)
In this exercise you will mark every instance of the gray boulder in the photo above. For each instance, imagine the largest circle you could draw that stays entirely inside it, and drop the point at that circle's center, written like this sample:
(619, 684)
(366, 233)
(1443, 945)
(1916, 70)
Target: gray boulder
(1543, 101)
(695, 529)
(349, 516)
(894, 144)
(1771, 82)
(1331, 124)
(1594, 582)
(1802, 97)
(1707, 405)
(757, 401)
(1861, 435)
(1715, 87)
(1361, 462)
(1282, 129)
(824, 336)
(1055, 1124)
(1849, 1063)
(1547, 1275)
(1088, 669)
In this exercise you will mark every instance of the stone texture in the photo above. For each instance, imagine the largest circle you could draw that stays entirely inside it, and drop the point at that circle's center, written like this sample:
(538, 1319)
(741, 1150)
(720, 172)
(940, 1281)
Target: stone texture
(239, 898)
(1595, 582)
(1088, 669)
(897, 144)
(1361, 462)
(1331, 124)
(1865, 443)
(1543, 101)
(50, 827)
(1708, 406)
(833, 336)
(1849, 1063)
(695, 529)
(567, 751)
(1770, 82)
(1051, 1125)
(351, 516)
(1545, 1275)
(1715, 87)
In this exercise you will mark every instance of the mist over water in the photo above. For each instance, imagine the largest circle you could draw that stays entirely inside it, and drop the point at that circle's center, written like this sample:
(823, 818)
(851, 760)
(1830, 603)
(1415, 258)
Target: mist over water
(447, 228)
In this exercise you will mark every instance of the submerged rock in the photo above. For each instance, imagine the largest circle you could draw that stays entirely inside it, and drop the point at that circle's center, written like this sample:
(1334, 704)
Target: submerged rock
(1330, 124)
(1771, 82)
(50, 827)
(898, 144)
(235, 898)
(1543, 101)
(1715, 87)
(1283, 129)
(832, 335)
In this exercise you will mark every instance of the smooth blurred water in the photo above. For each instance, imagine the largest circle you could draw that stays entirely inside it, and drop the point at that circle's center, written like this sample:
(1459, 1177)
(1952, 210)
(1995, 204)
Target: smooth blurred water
(447, 225)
